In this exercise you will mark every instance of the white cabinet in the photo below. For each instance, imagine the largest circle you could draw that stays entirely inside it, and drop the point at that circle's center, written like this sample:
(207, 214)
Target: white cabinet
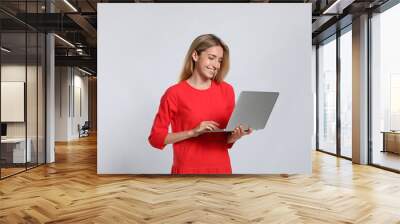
(18, 149)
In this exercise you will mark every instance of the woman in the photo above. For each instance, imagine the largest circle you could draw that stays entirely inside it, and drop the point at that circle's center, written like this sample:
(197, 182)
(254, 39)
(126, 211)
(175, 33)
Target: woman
(200, 102)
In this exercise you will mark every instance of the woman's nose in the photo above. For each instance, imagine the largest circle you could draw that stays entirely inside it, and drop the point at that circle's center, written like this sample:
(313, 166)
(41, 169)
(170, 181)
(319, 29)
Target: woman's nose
(216, 65)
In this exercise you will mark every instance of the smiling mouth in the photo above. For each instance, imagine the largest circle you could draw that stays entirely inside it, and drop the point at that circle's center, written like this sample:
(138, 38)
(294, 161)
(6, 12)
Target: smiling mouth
(212, 71)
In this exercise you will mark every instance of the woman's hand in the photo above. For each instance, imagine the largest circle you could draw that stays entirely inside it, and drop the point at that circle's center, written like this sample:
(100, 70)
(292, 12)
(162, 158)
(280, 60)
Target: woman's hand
(203, 127)
(237, 133)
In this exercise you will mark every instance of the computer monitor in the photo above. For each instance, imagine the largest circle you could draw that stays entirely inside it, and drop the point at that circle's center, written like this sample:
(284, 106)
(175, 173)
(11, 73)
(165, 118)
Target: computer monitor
(3, 129)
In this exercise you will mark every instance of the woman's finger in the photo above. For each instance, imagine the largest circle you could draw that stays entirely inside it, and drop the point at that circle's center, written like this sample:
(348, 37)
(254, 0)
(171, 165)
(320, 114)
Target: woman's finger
(209, 127)
(211, 122)
(246, 132)
(237, 133)
(241, 131)
(213, 126)
(233, 133)
(214, 123)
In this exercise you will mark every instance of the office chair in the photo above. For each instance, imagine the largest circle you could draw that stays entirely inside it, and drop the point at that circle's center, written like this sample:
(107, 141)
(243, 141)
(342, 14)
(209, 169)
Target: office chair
(84, 130)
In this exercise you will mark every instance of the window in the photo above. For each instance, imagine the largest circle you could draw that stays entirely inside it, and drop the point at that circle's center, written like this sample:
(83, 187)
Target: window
(346, 75)
(327, 96)
(385, 88)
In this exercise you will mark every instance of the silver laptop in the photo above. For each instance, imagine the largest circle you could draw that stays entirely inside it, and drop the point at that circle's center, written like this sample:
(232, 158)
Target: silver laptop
(252, 110)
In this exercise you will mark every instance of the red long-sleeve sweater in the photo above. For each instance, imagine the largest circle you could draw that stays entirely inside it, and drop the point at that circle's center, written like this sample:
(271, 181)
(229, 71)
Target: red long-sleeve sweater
(184, 107)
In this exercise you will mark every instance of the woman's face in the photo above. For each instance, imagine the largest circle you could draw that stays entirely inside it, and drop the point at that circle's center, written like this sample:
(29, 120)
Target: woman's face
(208, 63)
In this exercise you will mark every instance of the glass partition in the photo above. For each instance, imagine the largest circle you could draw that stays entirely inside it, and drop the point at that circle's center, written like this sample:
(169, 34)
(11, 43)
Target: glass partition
(41, 85)
(346, 93)
(385, 89)
(327, 96)
(13, 109)
(31, 100)
(22, 77)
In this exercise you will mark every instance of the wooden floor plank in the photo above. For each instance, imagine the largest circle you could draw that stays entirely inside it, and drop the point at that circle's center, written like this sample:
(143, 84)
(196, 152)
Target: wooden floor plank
(70, 191)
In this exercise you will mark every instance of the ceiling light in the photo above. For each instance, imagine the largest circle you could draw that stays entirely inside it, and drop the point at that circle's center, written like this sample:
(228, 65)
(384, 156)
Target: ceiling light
(84, 71)
(337, 7)
(70, 5)
(64, 40)
(331, 7)
(5, 50)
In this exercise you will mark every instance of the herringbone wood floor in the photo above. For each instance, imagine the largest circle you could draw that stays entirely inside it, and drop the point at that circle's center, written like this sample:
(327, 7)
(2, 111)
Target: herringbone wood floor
(70, 191)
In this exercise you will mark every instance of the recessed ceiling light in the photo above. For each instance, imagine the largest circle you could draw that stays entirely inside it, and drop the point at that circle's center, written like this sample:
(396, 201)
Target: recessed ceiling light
(338, 6)
(70, 5)
(5, 50)
(84, 71)
(64, 40)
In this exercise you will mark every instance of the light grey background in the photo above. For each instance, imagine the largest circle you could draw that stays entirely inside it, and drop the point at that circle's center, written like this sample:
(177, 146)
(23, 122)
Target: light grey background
(141, 48)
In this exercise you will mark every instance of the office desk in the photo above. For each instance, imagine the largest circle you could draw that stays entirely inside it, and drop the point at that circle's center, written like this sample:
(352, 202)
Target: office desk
(13, 150)
(391, 141)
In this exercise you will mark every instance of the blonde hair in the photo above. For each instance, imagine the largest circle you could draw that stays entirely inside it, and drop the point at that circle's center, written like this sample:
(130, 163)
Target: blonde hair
(200, 44)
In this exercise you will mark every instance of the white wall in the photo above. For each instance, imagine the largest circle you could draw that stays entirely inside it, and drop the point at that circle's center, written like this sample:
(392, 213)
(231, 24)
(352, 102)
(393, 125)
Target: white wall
(270, 51)
(17, 73)
(61, 103)
(68, 81)
(33, 127)
(80, 84)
